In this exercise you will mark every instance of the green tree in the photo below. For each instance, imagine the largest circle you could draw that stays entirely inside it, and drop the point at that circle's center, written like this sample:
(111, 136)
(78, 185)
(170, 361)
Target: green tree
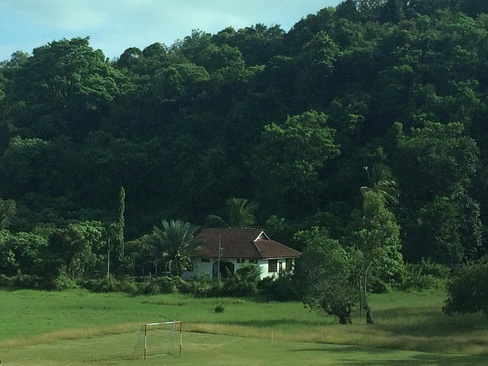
(22, 165)
(115, 235)
(175, 245)
(240, 214)
(8, 210)
(324, 275)
(316, 62)
(256, 44)
(287, 161)
(377, 236)
(449, 230)
(120, 225)
(66, 87)
(78, 245)
(21, 253)
(442, 160)
(381, 181)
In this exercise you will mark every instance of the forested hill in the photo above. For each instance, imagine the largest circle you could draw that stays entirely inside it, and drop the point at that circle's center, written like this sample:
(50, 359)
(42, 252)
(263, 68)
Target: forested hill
(388, 96)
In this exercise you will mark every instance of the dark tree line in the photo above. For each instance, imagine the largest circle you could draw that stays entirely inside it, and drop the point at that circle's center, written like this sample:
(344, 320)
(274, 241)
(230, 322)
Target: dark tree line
(285, 120)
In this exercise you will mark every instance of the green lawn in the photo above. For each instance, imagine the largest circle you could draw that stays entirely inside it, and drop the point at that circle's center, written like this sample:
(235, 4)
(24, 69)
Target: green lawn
(81, 328)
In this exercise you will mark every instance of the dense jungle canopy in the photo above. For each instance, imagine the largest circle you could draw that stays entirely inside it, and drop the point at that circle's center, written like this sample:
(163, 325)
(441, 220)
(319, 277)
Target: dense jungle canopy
(385, 96)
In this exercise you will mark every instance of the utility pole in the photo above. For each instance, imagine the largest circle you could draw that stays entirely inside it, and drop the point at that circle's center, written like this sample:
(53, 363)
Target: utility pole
(220, 256)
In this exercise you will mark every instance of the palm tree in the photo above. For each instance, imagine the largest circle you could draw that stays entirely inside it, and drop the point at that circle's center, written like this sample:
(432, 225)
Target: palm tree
(240, 212)
(381, 181)
(175, 245)
(384, 187)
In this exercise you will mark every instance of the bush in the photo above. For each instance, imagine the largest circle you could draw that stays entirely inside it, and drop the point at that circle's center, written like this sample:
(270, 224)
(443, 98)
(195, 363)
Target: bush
(437, 270)
(102, 285)
(128, 286)
(23, 281)
(162, 285)
(19, 281)
(283, 288)
(467, 290)
(201, 286)
(150, 288)
(63, 282)
(425, 275)
(377, 286)
(265, 283)
(421, 282)
(244, 282)
(4, 281)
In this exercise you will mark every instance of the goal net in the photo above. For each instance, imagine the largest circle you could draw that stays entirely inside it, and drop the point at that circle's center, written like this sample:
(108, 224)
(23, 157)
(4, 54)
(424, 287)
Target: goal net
(157, 339)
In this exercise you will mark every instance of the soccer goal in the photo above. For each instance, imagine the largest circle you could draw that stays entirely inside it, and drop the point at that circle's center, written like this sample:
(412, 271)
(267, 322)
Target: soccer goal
(157, 339)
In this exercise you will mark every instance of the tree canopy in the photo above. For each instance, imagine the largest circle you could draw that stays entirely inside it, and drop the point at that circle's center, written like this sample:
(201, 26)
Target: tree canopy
(285, 121)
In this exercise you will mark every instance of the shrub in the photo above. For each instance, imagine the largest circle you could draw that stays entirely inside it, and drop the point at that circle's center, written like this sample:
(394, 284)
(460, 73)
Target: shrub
(63, 282)
(377, 286)
(219, 308)
(162, 285)
(216, 289)
(128, 286)
(244, 282)
(150, 288)
(425, 275)
(201, 286)
(265, 283)
(4, 281)
(19, 281)
(101, 285)
(283, 288)
(467, 290)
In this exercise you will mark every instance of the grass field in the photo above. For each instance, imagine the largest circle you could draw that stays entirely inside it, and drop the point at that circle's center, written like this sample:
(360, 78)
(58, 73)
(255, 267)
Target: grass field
(81, 328)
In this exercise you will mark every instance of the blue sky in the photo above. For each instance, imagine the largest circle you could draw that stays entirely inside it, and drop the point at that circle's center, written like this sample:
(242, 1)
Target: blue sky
(115, 25)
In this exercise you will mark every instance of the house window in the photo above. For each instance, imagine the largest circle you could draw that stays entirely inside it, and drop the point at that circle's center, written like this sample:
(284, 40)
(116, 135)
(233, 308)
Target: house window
(289, 265)
(253, 261)
(205, 260)
(241, 260)
(272, 265)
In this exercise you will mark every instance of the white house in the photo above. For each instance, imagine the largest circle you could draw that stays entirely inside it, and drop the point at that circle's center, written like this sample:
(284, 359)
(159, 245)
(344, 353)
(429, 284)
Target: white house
(227, 250)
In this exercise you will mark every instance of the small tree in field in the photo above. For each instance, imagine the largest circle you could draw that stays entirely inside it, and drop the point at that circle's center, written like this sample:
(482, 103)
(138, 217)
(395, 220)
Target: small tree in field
(377, 237)
(324, 273)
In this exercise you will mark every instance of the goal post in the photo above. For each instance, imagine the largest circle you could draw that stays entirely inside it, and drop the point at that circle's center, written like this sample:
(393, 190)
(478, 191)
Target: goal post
(159, 337)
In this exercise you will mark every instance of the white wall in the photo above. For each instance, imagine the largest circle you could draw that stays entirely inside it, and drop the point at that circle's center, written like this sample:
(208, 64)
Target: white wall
(207, 267)
(199, 268)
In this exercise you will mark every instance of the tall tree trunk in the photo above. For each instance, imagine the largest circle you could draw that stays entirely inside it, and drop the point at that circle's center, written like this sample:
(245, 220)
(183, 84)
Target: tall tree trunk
(364, 295)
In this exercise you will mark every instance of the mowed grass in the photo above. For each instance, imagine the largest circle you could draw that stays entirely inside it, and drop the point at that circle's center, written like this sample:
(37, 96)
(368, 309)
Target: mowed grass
(82, 328)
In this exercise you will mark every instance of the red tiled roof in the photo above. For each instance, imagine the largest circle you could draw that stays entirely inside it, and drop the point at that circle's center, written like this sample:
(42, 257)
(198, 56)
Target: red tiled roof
(273, 249)
(242, 243)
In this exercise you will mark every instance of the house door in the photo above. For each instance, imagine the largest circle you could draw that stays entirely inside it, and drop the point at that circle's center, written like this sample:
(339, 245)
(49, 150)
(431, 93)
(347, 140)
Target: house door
(226, 269)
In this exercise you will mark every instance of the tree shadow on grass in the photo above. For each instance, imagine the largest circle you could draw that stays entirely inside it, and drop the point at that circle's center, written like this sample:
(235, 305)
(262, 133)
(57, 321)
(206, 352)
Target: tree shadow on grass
(275, 323)
(428, 322)
(354, 355)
